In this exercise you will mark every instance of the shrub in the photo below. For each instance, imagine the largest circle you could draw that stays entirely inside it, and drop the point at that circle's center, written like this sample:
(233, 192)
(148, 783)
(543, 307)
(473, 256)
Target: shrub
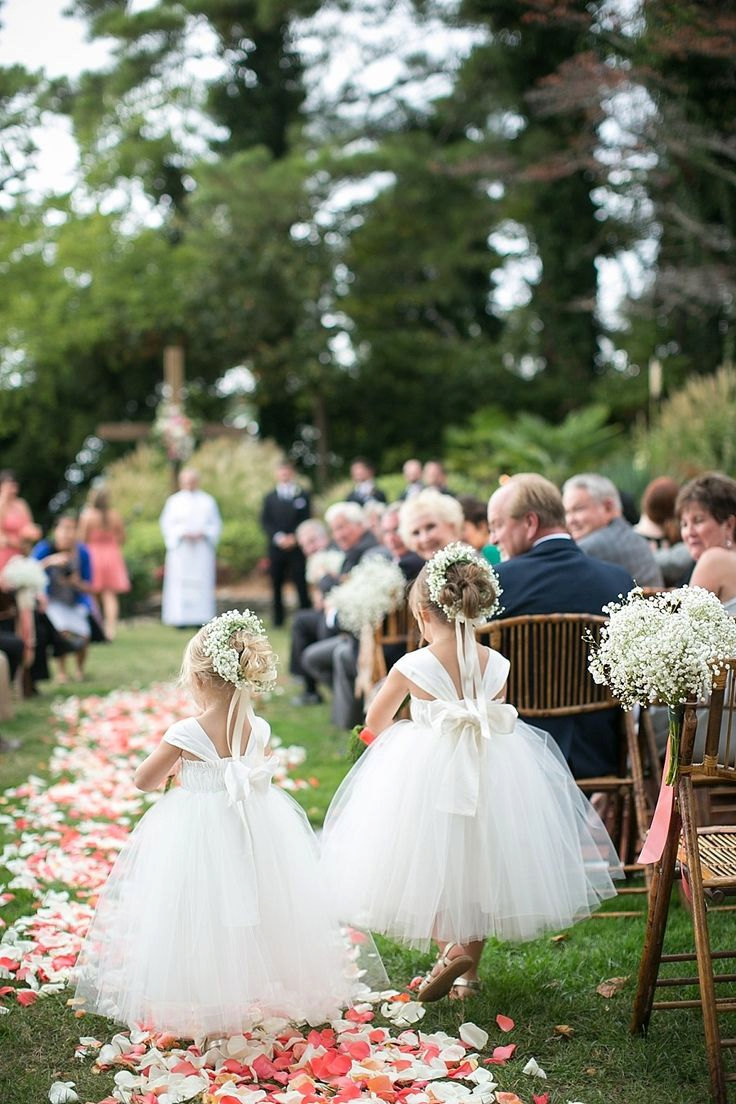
(693, 431)
(241, 546)
(144, 555)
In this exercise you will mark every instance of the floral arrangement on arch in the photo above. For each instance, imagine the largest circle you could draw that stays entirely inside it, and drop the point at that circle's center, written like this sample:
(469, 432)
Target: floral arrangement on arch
(374, 588)
(175, 430)
(664, 648)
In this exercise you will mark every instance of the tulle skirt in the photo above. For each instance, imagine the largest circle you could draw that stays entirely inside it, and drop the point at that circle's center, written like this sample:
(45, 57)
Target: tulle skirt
(207, 924)
(534, 855)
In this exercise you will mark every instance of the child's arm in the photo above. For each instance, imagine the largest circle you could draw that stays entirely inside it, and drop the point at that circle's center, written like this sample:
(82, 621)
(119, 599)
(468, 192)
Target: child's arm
(387, 701)
(157, 766)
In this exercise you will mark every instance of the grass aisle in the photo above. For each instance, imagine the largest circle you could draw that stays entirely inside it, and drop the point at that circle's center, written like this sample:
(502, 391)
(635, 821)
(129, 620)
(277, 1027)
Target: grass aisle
(548, 987)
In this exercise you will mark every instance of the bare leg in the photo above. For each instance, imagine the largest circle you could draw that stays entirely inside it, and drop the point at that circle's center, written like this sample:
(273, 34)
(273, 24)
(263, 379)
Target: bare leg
(61, 675)
(81, 657)
(110, 609)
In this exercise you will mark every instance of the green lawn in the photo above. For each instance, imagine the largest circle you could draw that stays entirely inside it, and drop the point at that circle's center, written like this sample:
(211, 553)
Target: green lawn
(540, 985)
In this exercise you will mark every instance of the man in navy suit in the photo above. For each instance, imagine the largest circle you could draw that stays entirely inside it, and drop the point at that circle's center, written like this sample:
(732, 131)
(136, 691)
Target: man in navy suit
(544, 571)
(284, 509)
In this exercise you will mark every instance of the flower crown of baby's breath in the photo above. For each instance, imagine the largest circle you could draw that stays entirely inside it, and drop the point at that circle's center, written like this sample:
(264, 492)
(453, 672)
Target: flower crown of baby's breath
(458, 553)
(226, 658)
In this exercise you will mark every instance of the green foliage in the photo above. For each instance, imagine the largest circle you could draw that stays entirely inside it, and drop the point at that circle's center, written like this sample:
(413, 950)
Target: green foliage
(693, 431)
(144, 558)
(241, 546)
(492, 444)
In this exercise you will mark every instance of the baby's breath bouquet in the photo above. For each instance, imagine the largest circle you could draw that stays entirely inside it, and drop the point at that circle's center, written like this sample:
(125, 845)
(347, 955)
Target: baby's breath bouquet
(374, 587)
(664, 648)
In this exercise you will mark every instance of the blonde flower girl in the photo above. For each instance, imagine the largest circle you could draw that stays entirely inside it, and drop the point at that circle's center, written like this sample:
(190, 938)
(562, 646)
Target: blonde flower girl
(462, 822)
(214, 914)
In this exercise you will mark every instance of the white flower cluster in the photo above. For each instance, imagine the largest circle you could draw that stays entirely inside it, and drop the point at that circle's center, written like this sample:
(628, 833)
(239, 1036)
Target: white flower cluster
(664, 648)
(225, 657)
(373, 588)
(458, 552)
(22, 572)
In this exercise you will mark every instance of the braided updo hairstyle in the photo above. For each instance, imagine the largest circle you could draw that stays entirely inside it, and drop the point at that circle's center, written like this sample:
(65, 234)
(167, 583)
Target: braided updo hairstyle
(468, 587)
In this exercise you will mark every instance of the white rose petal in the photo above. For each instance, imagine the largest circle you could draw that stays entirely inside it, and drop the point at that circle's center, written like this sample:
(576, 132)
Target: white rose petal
(62, 1092)
(473, 1035)
(533, 1069)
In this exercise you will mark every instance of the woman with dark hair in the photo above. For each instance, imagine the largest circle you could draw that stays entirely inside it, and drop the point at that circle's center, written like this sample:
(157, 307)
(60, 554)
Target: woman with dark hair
(706, 507)
(659, 525)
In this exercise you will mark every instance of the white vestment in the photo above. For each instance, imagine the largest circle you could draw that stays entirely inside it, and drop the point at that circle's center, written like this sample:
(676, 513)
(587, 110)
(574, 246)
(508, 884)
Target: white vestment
(191, 524)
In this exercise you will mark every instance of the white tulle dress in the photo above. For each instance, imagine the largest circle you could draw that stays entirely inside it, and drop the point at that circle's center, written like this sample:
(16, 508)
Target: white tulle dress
(215, 914)
(464, 822)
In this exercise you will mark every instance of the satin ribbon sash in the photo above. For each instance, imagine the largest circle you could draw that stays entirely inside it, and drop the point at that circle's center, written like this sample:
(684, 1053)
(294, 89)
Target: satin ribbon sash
(241, 779)
(465, 723)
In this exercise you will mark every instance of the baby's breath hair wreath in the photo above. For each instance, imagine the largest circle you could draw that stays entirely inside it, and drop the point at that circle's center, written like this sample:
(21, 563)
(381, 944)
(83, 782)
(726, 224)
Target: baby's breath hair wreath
(458, 553)
(221, 647)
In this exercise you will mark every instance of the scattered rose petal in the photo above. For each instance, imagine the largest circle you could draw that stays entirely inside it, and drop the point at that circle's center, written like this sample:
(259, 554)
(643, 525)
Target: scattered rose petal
(533, 1069)
(505, 1022)
(62, 1092)
(564, 1030)
(541, 1098)
(473, 1035)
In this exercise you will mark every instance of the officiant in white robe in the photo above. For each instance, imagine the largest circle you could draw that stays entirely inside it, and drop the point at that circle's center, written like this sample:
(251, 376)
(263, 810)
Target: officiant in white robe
(191, 525)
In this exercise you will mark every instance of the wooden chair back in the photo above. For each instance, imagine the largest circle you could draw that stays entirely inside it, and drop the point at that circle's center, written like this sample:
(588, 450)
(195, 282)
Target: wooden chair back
(703, 854)
(549, 674)
(398, 628)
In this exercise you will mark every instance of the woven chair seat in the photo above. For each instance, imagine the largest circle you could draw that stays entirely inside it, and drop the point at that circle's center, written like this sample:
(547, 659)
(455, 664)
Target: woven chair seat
(717, 850)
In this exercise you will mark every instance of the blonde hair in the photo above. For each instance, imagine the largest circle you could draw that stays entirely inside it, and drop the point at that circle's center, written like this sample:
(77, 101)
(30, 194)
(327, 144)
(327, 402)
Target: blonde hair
(468, 588)
(440, 506)
(256, 659)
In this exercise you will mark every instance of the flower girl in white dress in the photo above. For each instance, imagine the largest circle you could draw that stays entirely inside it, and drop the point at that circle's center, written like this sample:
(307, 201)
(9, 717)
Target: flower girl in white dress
(215, 914)
(463, 822)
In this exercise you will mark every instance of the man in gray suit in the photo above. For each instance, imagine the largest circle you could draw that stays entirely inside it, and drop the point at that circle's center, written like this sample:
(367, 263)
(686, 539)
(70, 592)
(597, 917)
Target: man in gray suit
(595, 519)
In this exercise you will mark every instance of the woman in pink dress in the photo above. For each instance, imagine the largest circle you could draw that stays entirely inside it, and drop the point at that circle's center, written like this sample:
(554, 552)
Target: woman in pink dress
(17, 527)
(101, 529)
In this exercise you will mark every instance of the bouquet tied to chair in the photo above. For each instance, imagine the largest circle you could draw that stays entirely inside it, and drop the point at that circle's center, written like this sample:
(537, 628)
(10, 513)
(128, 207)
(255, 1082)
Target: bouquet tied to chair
(664, 649)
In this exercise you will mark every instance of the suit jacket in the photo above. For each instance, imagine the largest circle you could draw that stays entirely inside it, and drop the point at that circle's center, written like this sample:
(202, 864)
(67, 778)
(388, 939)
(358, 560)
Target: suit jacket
(375, 495)
(283, 515)
(557, 577)
(618, 543)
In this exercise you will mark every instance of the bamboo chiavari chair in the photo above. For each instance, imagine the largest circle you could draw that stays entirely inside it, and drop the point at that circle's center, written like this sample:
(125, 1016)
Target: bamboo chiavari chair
(549, 677)
(703, 854)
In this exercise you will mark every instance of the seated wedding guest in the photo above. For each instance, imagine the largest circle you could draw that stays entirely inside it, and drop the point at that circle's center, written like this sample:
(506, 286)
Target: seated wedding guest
(373, 511)
(101, 529)
(323, 559)
(16, 522)
(349, 532)
(283, 510)
(706, 507)
(433, 474)
(475, 528)
(347, 709)
(412, 471)
(363, 473)
(429, 520)
(659, 525)
(544, 571)
(69, 570)
(594, 518)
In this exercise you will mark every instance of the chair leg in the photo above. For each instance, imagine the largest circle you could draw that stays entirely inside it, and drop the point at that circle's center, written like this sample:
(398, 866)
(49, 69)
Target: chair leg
(659, 903)
(702, 946)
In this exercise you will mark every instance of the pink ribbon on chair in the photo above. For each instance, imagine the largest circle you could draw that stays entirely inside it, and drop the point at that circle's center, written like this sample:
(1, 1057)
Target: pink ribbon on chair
(660, 826)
